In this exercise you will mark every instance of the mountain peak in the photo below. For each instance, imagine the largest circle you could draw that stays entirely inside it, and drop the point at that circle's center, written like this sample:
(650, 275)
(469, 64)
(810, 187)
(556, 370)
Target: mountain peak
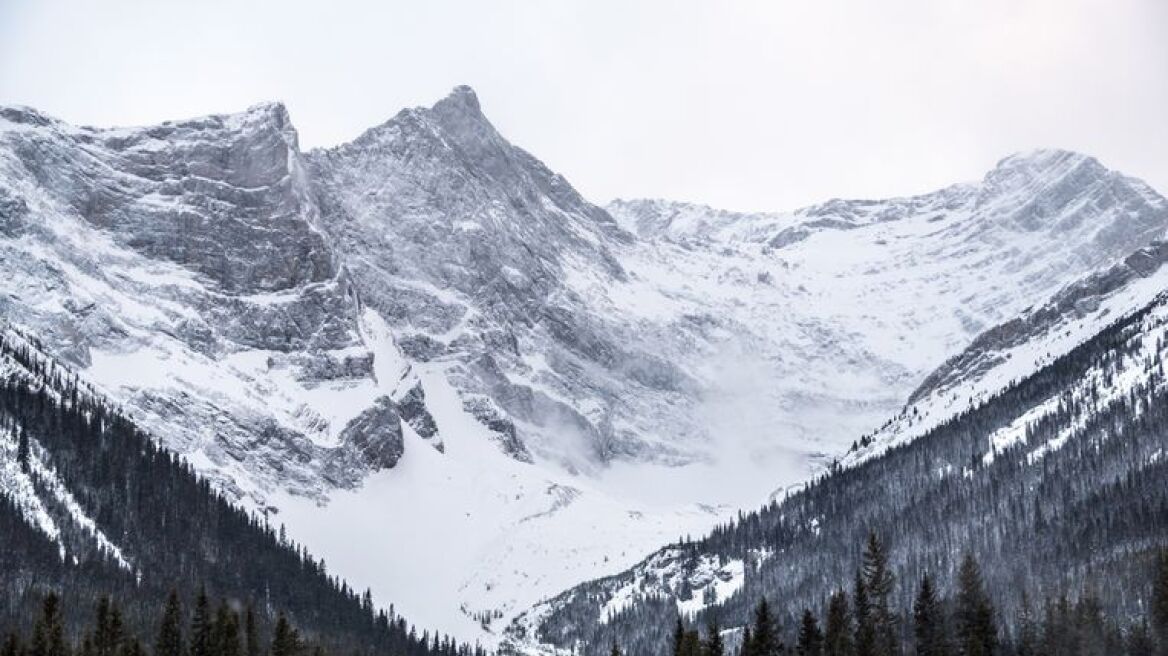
(1021, 169)
(271, 112)
(1041, 157)
(268, 108)
(21, 114)
(462, 101)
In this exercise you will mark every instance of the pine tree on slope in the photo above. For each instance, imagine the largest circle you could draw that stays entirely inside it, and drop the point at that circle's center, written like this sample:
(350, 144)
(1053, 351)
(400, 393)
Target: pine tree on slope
(48, 635)
(251, 633)
(713, 645)
(865, 640)
(977, 634)
(765, 632)
(810, 640)
(929, 621)
(878, 581)
(201, 626)
(285, 639)
(12, 646)
(1160, 603)
(169, 642)
(837, 635)
(226, 634)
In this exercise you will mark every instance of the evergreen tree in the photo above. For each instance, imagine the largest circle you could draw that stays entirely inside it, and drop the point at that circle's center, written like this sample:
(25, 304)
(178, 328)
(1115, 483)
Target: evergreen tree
(865, 642)
(878, 582)
(22, 451)
(1160, 602)
(691, 644)
(810, 640)
(1095, 635)
(202, 641)
(12, 646)
(615, 650)
(765, 632)
(929, 621)
(1057, 630)
(107, 635)
(713, 645)
(251, 632)
(977, 634)
(48, 635)
(285, 639)
(169, 640)
(678, 636)
(131, 646)
(367, 602)
(226, 631)
(1139, 641)
(747, 646)
(1028, 635)
(837, 637)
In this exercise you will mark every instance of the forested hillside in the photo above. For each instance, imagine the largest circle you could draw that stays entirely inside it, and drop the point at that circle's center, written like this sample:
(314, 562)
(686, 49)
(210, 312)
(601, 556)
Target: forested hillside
(92, 507)
(860, 620)
(1056, 485)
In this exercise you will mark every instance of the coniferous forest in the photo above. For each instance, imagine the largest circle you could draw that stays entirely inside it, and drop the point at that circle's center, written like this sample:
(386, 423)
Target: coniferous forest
(185, 549)
(861, 619)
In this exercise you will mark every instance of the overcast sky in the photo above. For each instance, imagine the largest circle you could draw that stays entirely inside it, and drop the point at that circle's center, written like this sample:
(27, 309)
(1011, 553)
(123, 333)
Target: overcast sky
(742, 105)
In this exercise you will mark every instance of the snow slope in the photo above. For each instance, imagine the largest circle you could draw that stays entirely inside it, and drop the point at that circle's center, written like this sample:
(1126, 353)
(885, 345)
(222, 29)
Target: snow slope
(1048, 478)
(820, 323)
(472, 525)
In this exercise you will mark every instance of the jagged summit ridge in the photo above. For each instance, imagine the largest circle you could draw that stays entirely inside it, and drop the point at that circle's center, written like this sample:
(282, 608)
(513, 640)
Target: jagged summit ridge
(461, 100)
(273, 112)
(454, 133)
(1042, 163)
(1024, 199)
(149, 188)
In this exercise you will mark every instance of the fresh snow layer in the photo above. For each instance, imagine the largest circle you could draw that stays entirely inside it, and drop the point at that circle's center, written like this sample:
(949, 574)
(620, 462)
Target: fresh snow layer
(476, 526)
(1012, 364)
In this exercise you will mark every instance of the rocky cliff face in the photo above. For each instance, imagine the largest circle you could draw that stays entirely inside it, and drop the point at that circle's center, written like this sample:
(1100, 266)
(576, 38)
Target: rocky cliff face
(181, 266)
(429, 328)
(210, 194)
(461, 241)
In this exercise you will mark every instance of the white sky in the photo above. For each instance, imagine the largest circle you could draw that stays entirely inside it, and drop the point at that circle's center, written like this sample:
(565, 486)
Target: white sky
(744, 105)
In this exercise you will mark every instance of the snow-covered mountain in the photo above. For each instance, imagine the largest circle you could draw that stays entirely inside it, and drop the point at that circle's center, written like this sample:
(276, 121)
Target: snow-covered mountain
(1055, 482)
(837, 312)
(466, 386)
